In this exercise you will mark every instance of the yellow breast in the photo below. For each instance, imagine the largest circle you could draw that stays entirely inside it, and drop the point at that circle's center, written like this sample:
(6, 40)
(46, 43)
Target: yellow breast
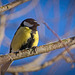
(36, 39)
(21, 37)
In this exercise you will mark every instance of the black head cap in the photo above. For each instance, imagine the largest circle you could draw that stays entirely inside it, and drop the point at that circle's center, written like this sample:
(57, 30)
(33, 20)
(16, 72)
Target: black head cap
(32, 24)
(32, 21)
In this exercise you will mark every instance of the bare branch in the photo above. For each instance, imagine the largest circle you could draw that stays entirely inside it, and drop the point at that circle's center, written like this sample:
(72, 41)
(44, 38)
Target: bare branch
(23, 11)
(38, 50)
(2, 27)
(30, 65)
(11, 5)
(67, 59)
(48, 63)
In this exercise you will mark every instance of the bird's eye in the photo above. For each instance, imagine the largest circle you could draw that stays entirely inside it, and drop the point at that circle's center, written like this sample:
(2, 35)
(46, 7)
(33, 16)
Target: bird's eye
(27, 24)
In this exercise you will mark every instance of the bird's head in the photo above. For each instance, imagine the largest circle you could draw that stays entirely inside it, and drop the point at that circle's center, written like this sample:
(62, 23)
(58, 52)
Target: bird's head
(31, 23)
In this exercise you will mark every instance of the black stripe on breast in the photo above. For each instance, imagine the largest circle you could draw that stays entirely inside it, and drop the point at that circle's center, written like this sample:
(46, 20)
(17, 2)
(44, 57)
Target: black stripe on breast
(29, 43)
(10, 49)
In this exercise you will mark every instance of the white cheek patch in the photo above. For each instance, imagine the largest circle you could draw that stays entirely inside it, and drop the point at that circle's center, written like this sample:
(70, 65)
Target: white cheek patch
(27, 24)
(35, 21)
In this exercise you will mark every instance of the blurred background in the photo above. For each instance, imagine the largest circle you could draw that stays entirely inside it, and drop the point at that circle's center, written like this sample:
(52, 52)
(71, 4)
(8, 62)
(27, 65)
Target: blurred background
(58, 14)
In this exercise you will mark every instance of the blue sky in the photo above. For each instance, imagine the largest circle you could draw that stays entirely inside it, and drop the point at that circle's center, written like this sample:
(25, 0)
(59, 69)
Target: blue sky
(60, 16)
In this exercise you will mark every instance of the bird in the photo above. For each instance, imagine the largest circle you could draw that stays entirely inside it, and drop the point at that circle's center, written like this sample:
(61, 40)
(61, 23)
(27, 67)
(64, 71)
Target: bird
(26, 37)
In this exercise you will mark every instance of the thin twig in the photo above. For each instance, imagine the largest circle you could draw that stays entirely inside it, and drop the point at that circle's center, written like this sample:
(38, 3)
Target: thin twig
(23, 11)
(66, 47)
(11, 5)
(2, 27)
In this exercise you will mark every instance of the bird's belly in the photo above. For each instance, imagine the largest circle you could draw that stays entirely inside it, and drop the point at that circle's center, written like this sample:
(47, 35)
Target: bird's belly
(20, 38)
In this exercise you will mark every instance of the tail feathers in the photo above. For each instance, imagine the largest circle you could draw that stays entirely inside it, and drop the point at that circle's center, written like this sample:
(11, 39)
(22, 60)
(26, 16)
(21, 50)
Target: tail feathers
(4, 67)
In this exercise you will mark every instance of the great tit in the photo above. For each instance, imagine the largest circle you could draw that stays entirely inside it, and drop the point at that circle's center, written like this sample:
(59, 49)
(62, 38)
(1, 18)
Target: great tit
(26, 36)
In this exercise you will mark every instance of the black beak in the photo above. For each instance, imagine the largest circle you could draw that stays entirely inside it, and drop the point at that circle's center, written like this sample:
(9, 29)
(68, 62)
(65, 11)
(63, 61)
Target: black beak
(38, 24)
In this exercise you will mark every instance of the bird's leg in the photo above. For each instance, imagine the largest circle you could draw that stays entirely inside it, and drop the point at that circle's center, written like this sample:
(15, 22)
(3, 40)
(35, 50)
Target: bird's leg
(32, 50)
(16, 52)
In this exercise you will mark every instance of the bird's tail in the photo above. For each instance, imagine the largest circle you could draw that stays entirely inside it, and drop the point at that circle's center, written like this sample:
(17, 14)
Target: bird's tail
(5, 66)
